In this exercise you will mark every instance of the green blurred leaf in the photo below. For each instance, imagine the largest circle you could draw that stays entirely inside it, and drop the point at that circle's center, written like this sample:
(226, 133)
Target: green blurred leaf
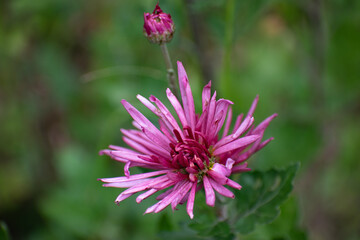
(286, 226)
(4, 231)
(259, 201)
(222, 230)
(184, 234)
(211, 230)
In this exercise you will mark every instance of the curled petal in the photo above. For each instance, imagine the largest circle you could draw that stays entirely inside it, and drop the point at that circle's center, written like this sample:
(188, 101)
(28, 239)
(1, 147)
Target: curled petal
(221, 169)
(229, 163)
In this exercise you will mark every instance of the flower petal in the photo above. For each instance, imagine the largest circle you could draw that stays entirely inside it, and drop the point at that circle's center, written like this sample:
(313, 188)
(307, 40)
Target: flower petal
(233, 184)
(210, 116)
(178, 187)
(263, 125)
(219, 168)
(241, 142)
(168, 117)
(240, 168)
(122, 197)
(191, 200)
(209, 192)
(206, 94)
(150, 183)
(228, 122)
(134, 177)
(143, 140)
(221, 189)
(148, 128)
(181, 194)
(253, 106)
(146, 195)
(186, 95)
(126, 184)
(177, 107)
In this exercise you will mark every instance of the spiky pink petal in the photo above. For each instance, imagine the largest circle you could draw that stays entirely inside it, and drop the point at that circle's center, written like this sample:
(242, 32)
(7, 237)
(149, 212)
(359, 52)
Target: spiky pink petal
(191, 200)
(187, 98)
(146, 195)
(240, 168)
(228, 122)
(209, 192)
(221, 189)
(148, 128)
(168, 117)
(236, 144)
(177, 107)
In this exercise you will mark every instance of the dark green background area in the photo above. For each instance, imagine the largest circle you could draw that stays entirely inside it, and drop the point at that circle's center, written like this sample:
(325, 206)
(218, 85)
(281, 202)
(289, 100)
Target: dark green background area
(65, 66)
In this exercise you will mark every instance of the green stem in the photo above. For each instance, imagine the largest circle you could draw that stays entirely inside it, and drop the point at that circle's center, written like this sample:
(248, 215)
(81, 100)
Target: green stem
(169, 68)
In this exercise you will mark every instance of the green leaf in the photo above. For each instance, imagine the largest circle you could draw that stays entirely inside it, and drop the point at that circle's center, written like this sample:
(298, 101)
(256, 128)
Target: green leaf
(210, 230)
(259, 200)
(287, 226)
(4, 231)
(206, 223)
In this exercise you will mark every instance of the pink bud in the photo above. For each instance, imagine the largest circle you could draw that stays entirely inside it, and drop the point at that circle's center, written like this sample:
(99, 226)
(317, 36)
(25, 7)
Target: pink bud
(158, 26)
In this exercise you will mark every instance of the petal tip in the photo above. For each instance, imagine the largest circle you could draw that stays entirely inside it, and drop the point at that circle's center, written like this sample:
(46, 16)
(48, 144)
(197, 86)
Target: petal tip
(101, 152)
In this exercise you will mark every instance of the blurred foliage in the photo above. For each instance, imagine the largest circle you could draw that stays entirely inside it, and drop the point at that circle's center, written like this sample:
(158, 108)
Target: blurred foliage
(4, 232)
(65, 65)
(257, 204)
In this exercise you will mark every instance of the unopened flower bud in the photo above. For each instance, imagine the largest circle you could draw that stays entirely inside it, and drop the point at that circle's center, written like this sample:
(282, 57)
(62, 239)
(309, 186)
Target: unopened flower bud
(158, 26)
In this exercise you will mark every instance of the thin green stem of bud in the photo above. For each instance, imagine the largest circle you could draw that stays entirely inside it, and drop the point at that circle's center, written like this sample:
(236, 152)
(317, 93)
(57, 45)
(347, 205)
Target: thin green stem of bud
(169, 68)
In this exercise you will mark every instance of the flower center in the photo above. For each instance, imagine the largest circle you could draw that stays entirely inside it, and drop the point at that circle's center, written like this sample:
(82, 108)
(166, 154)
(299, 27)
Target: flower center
(190, 154)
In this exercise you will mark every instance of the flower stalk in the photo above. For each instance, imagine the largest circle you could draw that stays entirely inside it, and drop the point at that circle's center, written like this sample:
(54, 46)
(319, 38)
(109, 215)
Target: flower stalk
(169, 68)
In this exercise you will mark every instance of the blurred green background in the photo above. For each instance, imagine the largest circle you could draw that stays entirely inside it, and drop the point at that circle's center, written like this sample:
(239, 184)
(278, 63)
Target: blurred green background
(65, 65)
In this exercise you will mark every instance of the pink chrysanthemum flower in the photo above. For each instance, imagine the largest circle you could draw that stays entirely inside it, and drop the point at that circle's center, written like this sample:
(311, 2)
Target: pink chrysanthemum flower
(188, 158)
